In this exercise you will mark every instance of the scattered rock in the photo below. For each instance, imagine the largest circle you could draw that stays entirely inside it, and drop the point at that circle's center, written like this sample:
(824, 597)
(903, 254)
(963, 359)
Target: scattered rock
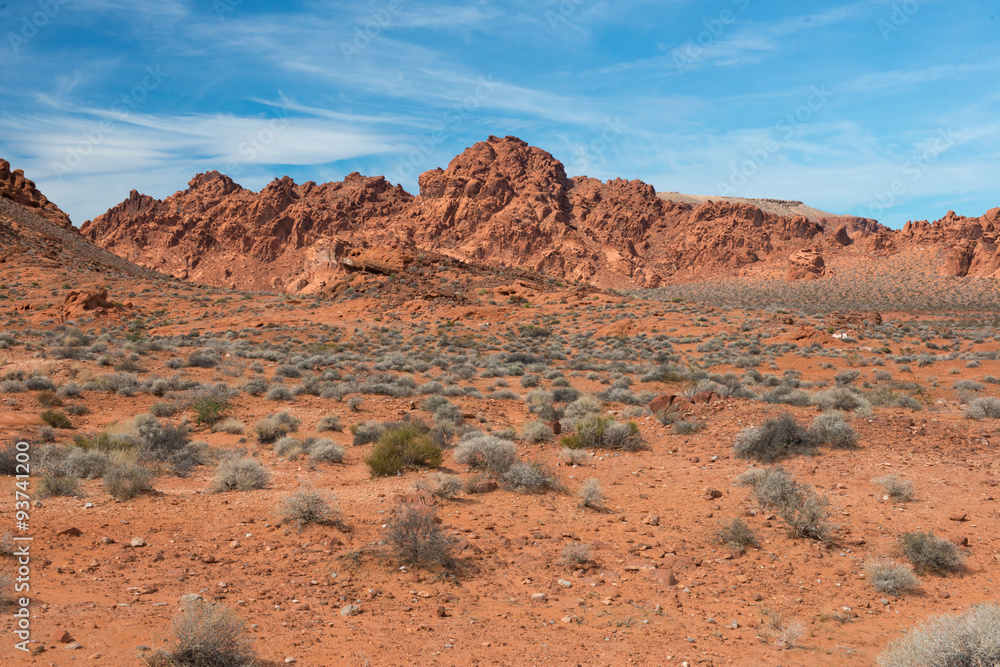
(70, 532)
(350, 610)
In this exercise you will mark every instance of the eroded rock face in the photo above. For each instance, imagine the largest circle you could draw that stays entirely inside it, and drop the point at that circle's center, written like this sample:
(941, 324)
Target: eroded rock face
(22, 191)
(969, 245)
(806, 264)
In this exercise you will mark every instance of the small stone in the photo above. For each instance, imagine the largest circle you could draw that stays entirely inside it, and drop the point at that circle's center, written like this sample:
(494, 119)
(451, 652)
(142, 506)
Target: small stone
(289, 660)
(487, 486)
(72, 531)
(107, 540)
(138, 542)
(960, 541)
(885, 600)
(209, 559)
(652, 520)
(423, 594)
(564, 583)
(191, 598)
(958, 517)
(73, 646)
(711, 494)
(538, 597)
(88, 506)
(441, 612)
(350, 610)
(945, 595)
(147, 589)
(62, 637)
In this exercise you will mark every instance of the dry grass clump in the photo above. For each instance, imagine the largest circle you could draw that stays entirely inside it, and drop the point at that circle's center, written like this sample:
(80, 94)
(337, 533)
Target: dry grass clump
(58, 485)
(887, 577)
(128, 481)
(775, 439)
(603, 432)
(986, 407)
(971, 639)
(231, 425)
(831, 428)
(278, 425)
(900, 490)
(536, 431)
(591, 494)
(575, 553)
(736, 535)
(529, 478)
(487, 453)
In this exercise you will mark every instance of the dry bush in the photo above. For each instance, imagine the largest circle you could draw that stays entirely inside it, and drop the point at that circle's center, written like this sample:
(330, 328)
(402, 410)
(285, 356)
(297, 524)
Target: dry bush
(929, 553)
(887, 577)
(276, 426)
(831, 428)
(775, 439)
(486, 453)
(240, 473)
(415, 538)
(402, 446)
(529, 478)
(591, 494)
(58, 485)
(736, 535)
(575, 553)
(900, 490)
(971, 639)
(536, 431)
(128, 481)
(307, 506)
(799, 506)
(208, 635)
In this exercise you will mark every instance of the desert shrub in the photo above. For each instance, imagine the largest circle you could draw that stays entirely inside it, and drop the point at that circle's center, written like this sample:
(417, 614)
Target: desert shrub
(70, 390)
(209, 409)
(887, 577)
(787, 395)
(39, 383)
(736, 535)
(839, 398)
(208, 635)
(415, 538)
(487, 453)
(831, 428)
(162, 409)
(603, 432)
(329, 423)
(986, 407)
(289, 447)
(48, 399)
(900, 490)
(276, 426)
(971, 639)
(403, 446)
(929, 553)
(529, 478)
(255, 386)
(366, 433)
(775, 439)
(847, 376)
(442, 485)
(207, 358)
(307, 506)
(280, 392)
(576, 457)
(325, 451)
(57, 485)
(687, 427)
(288, 371)
(164, 443)
(231, 425)
(85, 464)
(354, 403)
(798, 505)
(240, 473)
(56, 419)
(591, 494)
(128, 481)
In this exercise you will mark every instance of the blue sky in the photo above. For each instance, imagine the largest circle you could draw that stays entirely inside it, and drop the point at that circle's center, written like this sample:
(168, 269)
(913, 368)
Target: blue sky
(881, 108)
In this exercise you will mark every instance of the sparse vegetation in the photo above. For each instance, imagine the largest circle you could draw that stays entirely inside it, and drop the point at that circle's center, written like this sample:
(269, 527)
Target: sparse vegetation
(900, 490)
(240, 473)
(407, 445)
(775, 439)
(736, 535)
(887, 577)
(929, 553)
(307, 506)
(207, 635)
(971, 639)
(591, 494)
(415, 538)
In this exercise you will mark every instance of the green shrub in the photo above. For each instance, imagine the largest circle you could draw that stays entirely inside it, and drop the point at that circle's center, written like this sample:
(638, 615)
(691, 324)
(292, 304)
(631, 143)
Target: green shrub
(128, 481)
(407, 445)
(603, 432)
(775, 439)
(929, 553)
(887, 577)
(971, 639)
(209, 409)
(56, 419)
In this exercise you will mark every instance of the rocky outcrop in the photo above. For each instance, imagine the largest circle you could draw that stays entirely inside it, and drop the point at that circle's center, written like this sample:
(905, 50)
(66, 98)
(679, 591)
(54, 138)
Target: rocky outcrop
(22, 191)
(806, 264)
(969, 246)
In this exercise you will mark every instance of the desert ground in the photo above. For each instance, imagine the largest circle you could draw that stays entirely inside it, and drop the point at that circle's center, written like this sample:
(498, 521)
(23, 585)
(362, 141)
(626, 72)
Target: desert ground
(605, 544)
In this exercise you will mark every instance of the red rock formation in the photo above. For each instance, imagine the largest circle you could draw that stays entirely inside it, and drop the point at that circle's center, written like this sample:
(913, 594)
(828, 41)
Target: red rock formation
(806, 264)
(968, 245)
(22, 191)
